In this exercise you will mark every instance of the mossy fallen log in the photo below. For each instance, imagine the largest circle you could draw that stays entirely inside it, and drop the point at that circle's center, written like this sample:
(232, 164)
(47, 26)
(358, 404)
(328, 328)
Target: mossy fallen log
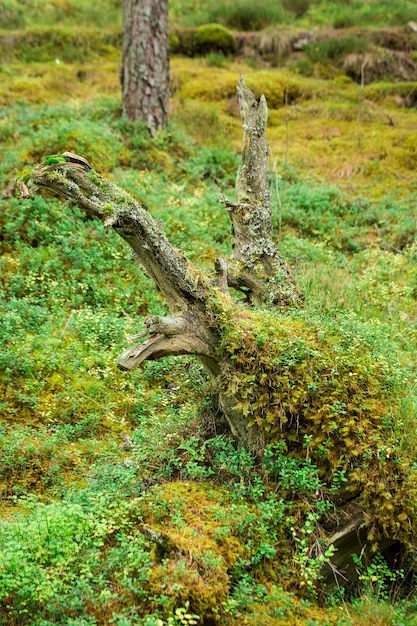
(318, 388)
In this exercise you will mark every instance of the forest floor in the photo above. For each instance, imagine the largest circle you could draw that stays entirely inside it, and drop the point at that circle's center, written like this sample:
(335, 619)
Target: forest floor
(75, 498)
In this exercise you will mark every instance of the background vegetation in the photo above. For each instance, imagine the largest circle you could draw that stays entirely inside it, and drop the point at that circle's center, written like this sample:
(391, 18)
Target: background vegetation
(121, 501)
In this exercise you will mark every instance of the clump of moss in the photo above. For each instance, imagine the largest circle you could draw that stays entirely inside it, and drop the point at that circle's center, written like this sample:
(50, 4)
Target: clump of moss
(403, 94)
(214, 38)
(280, 88)
(330, 397)
(196, 559)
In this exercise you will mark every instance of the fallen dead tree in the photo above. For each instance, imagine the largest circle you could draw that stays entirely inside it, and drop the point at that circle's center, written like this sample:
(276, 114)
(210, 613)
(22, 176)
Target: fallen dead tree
(277, 376)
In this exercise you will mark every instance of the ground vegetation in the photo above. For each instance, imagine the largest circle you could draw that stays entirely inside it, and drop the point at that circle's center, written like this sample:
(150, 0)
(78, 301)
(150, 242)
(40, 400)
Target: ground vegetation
(124, 500)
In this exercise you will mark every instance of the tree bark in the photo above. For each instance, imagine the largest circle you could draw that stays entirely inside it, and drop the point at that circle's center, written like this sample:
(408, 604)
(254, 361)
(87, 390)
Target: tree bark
(145, 64)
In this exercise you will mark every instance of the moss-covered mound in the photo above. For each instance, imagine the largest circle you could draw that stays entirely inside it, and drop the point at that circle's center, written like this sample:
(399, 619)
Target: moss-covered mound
(214, 38)
(181, 547)
(333, 396)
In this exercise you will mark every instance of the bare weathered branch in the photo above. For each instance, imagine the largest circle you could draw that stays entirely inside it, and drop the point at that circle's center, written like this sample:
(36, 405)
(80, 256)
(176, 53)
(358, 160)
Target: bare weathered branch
(171, 335)
(181, 284)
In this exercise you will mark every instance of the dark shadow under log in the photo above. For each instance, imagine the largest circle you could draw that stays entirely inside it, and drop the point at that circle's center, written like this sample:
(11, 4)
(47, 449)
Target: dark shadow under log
(348, 534)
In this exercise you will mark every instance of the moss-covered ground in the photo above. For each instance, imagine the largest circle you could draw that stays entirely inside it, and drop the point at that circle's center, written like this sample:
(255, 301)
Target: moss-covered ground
(121, 501)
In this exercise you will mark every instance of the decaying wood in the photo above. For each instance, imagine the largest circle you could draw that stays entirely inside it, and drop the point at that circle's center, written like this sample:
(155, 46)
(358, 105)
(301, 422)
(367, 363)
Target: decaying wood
(348, 534)
(255, 266)
(172, 335)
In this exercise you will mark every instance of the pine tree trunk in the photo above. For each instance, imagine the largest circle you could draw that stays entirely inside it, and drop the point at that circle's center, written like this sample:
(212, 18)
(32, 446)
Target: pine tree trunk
(145, 71)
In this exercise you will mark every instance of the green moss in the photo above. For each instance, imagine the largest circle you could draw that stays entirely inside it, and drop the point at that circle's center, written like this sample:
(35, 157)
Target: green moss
(296, 382)
(279, 88)
(214, 38)
(204, 89)
(51, 160)
(402, 93)
(211, 538)
(196, 570)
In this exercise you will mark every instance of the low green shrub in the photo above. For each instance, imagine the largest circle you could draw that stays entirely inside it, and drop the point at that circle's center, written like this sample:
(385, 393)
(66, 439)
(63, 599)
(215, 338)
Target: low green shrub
(326, 214)
(298, 7)
(12, 17)
(67, 12)
(185, 40)
(188, 544)
(216, 59)
(174, 42)
(302, 66)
